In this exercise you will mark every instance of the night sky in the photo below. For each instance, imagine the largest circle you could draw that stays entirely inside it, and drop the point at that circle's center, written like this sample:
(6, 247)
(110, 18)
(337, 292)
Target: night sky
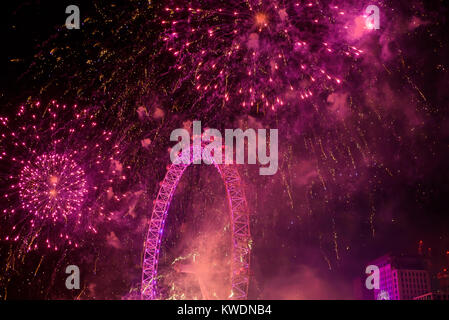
(363, 141)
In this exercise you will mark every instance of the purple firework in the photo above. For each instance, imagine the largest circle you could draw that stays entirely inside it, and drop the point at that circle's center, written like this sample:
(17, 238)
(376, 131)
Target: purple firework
(59, 173)
(52, 186)
(255, 54)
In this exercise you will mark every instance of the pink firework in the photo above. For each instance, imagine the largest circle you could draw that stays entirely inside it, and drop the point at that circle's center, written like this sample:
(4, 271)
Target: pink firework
(52, 186)
(58, 173)
(263, 54)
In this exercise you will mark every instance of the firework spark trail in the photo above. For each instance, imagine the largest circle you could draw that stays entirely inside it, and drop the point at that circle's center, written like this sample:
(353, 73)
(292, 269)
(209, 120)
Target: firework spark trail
(58, 167)
(267, 54)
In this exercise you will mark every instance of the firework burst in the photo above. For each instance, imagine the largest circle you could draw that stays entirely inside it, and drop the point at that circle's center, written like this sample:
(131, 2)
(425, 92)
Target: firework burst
(58, 173)
(254, 54)
(52, 186)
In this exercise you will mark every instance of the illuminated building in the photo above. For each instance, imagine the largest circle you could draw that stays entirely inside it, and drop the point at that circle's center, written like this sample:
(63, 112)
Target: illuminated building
(401, 277)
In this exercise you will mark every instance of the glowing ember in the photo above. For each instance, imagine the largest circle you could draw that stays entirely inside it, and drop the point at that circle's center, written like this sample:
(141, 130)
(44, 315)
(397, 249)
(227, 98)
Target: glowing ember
(261, 19)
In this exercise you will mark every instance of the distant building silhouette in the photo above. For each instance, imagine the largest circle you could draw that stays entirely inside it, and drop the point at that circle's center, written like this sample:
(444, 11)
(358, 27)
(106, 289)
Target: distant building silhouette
(401, 277)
